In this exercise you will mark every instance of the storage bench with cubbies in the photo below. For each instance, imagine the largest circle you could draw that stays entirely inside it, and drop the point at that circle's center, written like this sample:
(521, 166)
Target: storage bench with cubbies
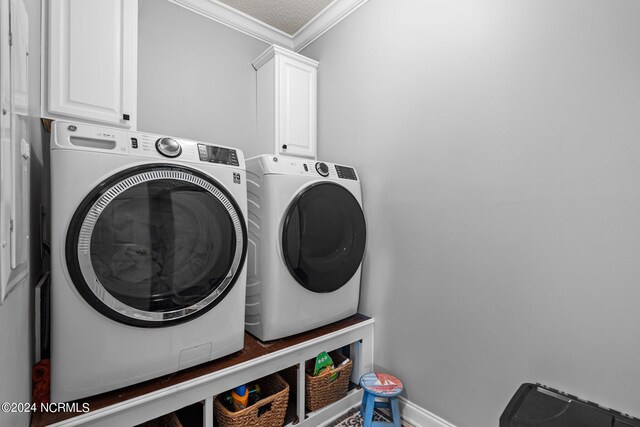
(191, 392)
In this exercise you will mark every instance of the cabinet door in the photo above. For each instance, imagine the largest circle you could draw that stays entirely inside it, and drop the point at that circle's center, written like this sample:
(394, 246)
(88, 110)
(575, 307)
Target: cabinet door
(296, 108)
(92, 60)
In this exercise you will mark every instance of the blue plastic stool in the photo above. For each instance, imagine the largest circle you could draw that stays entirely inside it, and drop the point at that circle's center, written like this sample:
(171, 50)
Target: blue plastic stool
(380, 385)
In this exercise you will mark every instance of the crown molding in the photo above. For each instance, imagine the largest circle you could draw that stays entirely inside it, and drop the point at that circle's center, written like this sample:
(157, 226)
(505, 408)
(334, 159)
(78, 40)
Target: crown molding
(273, 49)
(331, 15)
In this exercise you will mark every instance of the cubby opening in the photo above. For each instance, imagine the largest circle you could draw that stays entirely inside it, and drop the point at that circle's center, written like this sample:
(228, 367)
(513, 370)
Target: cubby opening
(189, 416)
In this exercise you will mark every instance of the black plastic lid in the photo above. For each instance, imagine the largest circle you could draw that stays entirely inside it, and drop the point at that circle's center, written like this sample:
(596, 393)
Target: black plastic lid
(536, 405)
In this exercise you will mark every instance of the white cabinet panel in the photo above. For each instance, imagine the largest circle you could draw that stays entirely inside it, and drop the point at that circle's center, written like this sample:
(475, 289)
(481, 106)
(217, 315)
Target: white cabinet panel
(297, 115)
(92, 60)
(287, 103)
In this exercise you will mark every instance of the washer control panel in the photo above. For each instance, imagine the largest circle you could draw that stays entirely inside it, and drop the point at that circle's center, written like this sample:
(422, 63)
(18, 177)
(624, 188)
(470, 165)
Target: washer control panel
(215, 154)
(322, 169)
(168, 147)
(84, 137)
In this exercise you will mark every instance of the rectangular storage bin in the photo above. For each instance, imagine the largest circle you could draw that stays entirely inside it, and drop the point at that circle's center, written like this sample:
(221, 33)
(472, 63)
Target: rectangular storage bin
(542, 406)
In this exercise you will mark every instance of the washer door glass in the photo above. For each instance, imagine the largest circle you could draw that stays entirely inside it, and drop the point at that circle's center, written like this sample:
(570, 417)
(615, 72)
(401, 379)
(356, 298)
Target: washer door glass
(156, 245)
(323, 237)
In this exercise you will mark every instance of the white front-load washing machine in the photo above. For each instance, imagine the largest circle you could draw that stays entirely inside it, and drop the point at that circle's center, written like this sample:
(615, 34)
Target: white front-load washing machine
(148, 256)
(307, 238)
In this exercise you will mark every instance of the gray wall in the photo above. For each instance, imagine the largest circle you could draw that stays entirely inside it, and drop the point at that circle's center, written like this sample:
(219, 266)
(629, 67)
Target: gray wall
(195, 78)
(499, 147)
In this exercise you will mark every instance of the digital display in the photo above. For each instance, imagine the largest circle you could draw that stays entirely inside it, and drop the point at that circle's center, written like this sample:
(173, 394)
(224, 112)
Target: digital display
(345, 172)
(213, 154)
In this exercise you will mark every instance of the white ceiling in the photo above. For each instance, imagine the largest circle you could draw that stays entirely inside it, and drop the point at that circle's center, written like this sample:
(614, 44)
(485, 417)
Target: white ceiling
(286, 15)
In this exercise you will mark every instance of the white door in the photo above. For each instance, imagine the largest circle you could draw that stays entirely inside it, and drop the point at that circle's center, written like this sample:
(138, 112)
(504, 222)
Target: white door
(92, 60)
(296, 111)
(14, 148)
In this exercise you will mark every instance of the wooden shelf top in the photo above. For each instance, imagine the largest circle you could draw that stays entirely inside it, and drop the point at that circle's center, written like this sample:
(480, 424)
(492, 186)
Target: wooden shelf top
(253, 349)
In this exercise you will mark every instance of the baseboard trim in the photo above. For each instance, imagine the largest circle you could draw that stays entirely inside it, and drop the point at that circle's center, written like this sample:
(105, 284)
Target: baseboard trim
(420, 417)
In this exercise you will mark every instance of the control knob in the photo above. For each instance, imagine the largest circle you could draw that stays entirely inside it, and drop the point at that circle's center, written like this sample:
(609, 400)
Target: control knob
(322, 169)
(168, 147)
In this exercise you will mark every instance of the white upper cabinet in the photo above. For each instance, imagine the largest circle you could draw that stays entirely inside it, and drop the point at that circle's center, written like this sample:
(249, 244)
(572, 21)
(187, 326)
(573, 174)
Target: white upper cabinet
(92, 61)
(287, 103)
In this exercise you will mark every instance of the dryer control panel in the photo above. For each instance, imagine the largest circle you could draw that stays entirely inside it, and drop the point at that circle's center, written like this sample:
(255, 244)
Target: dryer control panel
(296, 166)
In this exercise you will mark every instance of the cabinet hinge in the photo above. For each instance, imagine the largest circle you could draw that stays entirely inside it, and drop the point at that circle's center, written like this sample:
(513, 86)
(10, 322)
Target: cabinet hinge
(10, 39)
(10, 225)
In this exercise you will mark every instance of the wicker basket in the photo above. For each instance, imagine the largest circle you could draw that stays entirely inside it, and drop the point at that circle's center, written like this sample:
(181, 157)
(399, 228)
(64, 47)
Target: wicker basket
(321, 391)
(267, 412)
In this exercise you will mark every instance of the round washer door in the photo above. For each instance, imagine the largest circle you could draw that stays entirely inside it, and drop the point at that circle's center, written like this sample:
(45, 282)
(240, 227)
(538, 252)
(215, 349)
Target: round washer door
(323, 237)
(156, 245)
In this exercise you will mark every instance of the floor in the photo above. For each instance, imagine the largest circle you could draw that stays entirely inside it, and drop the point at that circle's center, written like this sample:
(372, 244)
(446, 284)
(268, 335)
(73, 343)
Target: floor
(352, 418)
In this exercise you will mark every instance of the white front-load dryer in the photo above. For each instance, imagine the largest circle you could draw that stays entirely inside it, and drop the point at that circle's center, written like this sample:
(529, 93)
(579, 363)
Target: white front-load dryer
(307, 238)
(148, 248)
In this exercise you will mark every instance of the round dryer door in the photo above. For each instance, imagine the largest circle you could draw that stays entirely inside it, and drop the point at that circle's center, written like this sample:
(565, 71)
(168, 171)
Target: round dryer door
(156, 245)
(323, 237)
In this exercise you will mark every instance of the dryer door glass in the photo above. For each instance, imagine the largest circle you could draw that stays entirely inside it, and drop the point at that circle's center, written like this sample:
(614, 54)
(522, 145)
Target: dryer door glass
(323, 237)
(154, 246)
